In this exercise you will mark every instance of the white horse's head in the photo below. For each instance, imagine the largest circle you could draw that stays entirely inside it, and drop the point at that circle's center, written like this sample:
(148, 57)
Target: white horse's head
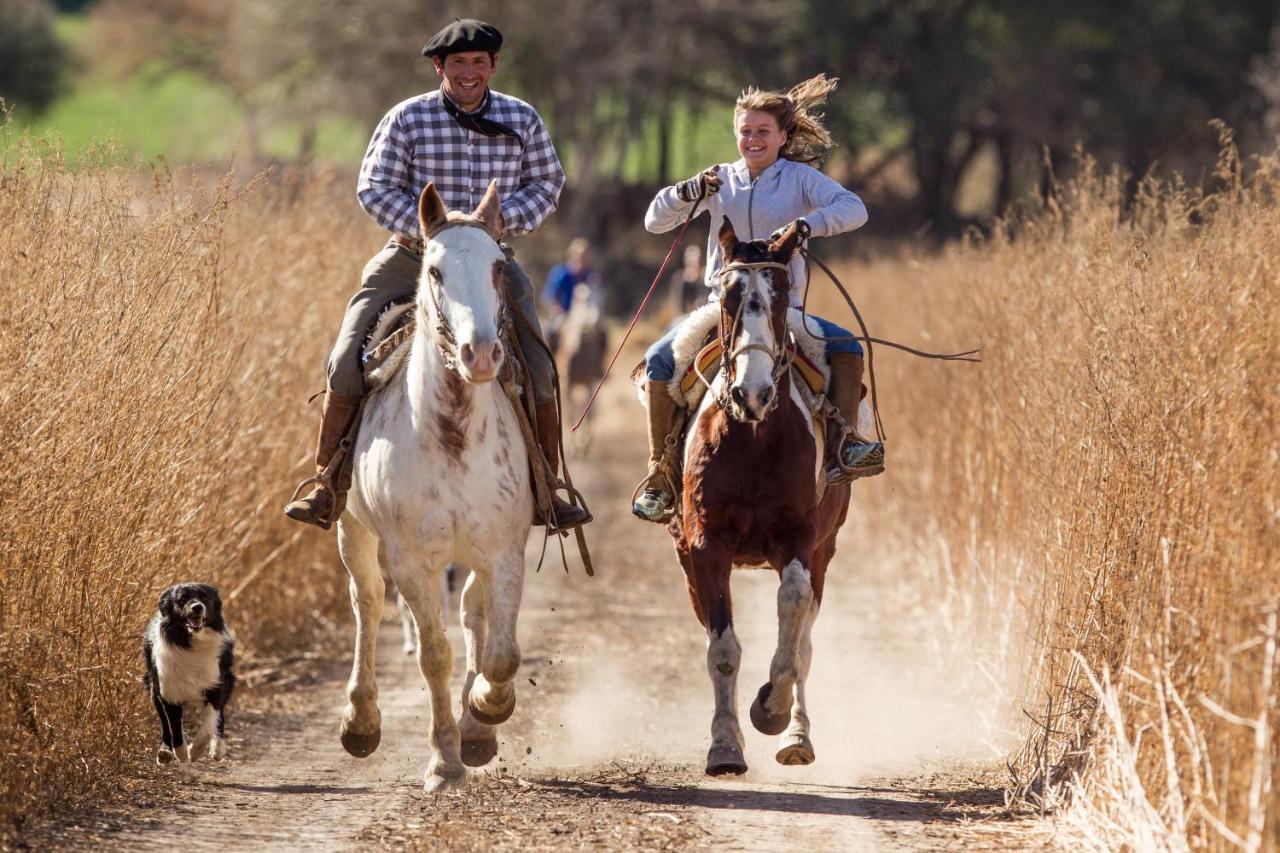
(754, 297)
(461, 281)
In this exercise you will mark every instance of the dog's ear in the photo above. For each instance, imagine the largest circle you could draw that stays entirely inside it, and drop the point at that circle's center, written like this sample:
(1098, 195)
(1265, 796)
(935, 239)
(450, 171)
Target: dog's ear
(166, 600)
(215, 604)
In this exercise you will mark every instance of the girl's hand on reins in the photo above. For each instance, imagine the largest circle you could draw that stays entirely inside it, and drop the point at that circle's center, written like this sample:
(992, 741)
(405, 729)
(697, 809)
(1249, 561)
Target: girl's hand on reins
(700, 185)
(802, 230)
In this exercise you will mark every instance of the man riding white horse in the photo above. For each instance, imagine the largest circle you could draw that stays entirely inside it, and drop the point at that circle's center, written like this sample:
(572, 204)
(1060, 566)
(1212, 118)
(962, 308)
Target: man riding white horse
(459, 138)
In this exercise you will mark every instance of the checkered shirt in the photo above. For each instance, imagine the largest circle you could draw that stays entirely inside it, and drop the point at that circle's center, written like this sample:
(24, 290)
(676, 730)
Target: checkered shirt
(417, 142)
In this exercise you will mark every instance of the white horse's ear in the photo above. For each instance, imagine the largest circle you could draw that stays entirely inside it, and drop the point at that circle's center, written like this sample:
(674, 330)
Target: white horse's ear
(431, 209)
(728, 239)
(490, 211)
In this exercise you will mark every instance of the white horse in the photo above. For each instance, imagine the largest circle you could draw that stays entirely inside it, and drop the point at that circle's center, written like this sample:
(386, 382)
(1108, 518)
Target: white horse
(440, 475)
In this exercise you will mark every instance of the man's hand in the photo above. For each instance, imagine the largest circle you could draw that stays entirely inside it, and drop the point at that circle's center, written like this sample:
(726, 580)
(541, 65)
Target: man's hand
(802, 230)
(700, 185)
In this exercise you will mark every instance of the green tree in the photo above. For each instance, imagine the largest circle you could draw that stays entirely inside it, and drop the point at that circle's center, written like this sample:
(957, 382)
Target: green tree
(32, 60)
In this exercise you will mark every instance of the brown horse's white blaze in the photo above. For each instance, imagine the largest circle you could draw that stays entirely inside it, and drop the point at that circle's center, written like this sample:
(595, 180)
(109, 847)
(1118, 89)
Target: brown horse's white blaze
(751, 501)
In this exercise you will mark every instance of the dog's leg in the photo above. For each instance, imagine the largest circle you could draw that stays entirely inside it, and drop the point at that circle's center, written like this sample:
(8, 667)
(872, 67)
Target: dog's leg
(207, 732)
(361, 720)
(170, 730)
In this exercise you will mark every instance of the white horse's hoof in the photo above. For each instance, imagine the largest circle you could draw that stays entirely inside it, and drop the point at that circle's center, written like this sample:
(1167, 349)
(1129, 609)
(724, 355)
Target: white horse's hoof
(478, 753)
(795, 751)
(491, 718)
(218, 749)
(722, 760)
(361, 746)
(444, 780)
(184, 753)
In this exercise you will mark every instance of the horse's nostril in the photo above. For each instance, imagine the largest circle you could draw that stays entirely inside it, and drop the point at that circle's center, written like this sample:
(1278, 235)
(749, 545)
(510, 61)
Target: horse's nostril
(738, 395)
(766, 396)
(497, 353)
(467, 354)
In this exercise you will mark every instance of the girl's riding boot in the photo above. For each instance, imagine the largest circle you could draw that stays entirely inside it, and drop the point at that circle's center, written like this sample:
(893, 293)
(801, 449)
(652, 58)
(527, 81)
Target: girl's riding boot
(666, 420)
(326, 500)
(849, 455)
(565, 516)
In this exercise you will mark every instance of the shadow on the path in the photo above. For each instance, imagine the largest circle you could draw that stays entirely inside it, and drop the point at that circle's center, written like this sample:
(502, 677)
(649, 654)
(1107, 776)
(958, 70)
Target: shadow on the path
(843, 801)
(289, 789)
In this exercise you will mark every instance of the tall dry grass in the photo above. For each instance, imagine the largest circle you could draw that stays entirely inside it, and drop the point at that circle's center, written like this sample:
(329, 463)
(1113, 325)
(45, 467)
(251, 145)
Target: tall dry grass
(160, 337)
(1112, 469)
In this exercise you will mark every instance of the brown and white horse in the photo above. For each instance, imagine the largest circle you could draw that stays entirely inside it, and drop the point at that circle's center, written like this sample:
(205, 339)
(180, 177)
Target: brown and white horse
(581, 345)
(751, 500)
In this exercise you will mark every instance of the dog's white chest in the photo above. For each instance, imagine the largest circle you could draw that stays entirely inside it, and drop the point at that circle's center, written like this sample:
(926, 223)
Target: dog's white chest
(185, 674)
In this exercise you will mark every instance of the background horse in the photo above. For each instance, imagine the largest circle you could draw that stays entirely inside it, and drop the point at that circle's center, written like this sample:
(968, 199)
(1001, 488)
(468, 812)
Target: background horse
(751, 475)
(582, 342)
(441, 475)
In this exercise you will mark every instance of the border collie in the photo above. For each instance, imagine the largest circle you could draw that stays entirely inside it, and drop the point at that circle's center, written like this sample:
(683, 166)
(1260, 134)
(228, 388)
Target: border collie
(188, 650)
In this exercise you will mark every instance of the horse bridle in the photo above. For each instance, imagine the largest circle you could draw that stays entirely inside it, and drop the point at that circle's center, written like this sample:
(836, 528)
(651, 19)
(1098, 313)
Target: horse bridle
(446, 340)
(780, 354)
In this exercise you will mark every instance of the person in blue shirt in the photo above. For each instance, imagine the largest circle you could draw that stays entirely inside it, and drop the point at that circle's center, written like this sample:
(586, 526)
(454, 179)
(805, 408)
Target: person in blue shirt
(564, 277)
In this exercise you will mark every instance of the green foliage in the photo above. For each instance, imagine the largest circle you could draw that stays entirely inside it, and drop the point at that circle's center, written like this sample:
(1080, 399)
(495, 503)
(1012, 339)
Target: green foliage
(179, 115)
(32, 59)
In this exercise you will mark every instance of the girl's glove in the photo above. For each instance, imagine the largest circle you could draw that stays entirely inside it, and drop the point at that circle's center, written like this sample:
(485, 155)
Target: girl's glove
(700, 185)
(802, 230)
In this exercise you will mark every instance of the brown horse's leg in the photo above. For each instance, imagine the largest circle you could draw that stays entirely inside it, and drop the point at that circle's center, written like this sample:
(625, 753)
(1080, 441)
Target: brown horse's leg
(794, 746)
(708, 571)
(771, 710)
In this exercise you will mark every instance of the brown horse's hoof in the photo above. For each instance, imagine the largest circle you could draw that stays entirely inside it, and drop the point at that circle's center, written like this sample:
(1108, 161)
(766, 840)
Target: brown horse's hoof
(478, 753)
(724, 760)
(796, 751)
(361, 746)
(765, 722)
(491, 719)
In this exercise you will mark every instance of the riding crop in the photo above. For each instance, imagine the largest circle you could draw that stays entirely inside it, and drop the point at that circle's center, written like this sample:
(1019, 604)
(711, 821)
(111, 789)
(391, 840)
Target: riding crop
(644, 302)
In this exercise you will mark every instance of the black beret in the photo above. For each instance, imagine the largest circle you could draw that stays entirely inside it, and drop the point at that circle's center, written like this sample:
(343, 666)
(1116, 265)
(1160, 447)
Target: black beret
(462, 35)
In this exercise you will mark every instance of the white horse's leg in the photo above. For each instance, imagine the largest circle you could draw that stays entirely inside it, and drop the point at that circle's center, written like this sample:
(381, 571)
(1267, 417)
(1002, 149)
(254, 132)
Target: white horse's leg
(771, 710)
(361, 721)
(421, 589)
(479, 742)
(493, 697)
(794, 746)
(409, 630)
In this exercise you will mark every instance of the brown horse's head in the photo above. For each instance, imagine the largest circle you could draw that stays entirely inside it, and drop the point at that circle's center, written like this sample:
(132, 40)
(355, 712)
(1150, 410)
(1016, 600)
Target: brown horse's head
(754, 296)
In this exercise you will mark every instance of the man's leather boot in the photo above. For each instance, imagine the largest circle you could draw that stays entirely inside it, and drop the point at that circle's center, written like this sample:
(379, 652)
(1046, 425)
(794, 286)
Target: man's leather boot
(324, 503)
(565, 516)
(849, 455)
(666, 421)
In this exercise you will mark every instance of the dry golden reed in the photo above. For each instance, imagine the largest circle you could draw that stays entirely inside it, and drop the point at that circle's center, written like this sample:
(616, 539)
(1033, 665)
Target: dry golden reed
(160, 342)
(1118, 453)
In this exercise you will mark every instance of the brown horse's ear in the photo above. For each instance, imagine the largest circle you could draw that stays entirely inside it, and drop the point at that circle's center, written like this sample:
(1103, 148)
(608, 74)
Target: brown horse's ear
(431, 210)
(728, 239)
(785, 246)
(490, 211)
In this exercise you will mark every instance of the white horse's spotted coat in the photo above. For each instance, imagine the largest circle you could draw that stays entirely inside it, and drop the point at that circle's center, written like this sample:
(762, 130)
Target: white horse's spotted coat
(427, 497)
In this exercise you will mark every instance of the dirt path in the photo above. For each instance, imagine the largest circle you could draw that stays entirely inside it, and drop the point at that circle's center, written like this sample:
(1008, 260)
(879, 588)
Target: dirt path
(606, 746)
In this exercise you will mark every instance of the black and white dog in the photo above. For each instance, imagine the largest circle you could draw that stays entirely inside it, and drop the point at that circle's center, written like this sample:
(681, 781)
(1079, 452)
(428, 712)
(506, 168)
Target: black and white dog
(188, 649)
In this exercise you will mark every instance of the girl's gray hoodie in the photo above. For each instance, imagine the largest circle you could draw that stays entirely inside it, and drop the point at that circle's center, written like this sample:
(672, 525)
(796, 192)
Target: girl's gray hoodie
(785, 191)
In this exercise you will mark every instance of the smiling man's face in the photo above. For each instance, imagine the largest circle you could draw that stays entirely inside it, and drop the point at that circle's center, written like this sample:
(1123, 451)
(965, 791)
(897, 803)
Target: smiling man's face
(466, 76)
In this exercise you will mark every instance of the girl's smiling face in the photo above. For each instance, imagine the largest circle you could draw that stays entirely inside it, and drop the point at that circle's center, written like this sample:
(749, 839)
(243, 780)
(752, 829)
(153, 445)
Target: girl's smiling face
(759, 139)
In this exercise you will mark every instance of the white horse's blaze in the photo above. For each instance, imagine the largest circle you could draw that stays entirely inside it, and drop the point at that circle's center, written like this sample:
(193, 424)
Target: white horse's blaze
(419, 432)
